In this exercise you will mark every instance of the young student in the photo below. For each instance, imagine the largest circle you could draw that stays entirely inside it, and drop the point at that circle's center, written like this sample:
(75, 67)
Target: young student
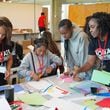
(17, 49)
(40, 62)
(76, 47)
(52, 47)
(99, 27)
(5, 53)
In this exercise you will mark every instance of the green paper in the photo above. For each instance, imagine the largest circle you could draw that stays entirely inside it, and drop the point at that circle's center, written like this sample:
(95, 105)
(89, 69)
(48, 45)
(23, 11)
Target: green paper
(32, 99)
(90, 104)
(101, 77)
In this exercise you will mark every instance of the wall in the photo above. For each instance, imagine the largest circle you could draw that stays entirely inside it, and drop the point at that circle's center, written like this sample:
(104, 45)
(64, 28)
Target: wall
(78, 13)
(21, 15)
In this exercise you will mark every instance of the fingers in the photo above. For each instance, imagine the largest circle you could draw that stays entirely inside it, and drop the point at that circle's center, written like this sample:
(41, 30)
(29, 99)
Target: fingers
(7, 75)
(76, 78)
(66, 73)
(34, 76)
(49, 69)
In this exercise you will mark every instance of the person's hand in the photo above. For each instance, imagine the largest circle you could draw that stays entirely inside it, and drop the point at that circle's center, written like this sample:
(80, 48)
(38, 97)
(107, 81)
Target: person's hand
(49, 69)
(7, 75)
(75, 73)
(34, 76)
(68, 72)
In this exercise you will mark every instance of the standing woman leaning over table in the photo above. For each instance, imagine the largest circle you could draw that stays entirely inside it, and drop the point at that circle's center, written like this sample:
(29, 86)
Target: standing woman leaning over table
(40, 62)
(5, 53)
(99, 27)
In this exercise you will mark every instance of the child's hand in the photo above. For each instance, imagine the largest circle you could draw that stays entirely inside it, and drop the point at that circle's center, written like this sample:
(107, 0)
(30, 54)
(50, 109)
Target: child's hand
(34, 76)
(49, 69)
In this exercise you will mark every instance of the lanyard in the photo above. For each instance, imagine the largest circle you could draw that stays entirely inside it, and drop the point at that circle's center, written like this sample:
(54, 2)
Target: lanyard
(41, 64)
(105, 42)
(103, 49)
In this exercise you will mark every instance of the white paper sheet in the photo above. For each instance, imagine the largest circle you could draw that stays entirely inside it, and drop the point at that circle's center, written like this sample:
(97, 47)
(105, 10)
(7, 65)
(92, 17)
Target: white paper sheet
(63, 104)
(41, 85)
(4, 104)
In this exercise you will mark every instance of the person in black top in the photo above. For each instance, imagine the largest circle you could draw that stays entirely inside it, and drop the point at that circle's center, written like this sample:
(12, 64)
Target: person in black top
(5, 53)
(17, 49)
(99, 27)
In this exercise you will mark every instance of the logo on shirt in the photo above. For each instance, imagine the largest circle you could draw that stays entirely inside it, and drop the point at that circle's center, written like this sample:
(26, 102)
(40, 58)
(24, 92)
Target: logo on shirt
(103, 54)
(4, 55)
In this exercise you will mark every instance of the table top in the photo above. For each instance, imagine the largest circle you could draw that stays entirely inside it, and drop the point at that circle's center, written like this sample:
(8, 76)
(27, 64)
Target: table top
(73, 96)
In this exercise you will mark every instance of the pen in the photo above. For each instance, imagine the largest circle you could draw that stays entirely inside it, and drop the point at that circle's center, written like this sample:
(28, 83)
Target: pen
(47, 88)
(85, 108)
(85, 94)
(103, 94)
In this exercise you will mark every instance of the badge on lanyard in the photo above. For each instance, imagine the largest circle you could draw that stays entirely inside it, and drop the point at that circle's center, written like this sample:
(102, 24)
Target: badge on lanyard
(1, 56)
(101, 52)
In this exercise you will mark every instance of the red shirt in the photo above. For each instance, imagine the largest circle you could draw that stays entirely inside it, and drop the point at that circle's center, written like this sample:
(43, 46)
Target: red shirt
(41, 21)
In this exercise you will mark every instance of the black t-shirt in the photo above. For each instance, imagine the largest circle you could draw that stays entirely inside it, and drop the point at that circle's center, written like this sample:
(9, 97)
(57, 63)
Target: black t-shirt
(102, 53)
(17, 53)
(5, 51)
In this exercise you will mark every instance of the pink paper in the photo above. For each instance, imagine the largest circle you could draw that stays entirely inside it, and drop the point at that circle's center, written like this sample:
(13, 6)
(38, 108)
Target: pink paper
(66, 78)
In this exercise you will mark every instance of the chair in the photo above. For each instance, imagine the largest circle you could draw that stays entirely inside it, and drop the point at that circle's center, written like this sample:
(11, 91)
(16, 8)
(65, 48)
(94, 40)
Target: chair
(14, 77)
(25, 44)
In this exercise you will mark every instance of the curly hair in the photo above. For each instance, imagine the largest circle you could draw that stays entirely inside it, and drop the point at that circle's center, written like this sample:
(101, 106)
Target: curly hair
(103, 21)
(86, 27)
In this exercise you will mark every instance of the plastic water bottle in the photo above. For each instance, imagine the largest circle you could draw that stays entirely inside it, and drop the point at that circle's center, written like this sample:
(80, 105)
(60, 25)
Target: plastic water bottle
(58, 73)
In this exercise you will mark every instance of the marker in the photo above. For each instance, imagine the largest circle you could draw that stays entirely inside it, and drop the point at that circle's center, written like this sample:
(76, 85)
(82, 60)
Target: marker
(47, 88)
(56, 108)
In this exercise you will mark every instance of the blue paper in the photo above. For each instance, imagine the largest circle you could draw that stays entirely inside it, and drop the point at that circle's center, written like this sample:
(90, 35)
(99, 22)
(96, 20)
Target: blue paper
(17, 88)
(2, 88)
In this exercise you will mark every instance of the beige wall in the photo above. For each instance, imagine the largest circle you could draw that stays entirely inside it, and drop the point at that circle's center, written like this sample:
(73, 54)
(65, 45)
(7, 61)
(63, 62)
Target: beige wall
(21, 15)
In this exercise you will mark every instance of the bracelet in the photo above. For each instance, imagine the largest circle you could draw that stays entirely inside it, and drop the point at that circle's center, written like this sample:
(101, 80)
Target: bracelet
(53, 65)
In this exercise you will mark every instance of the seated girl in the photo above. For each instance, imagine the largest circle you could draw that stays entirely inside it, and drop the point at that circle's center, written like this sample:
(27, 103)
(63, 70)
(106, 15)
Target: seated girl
(40, 62)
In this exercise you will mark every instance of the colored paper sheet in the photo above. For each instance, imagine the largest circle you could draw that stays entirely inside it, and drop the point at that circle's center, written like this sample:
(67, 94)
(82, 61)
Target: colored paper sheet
(56, 91)
(90, 103)
(66, 78)
(85, 86)
(105, 94)
(102, 77)
(104, 102)
(18, 88)
(32, 99)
